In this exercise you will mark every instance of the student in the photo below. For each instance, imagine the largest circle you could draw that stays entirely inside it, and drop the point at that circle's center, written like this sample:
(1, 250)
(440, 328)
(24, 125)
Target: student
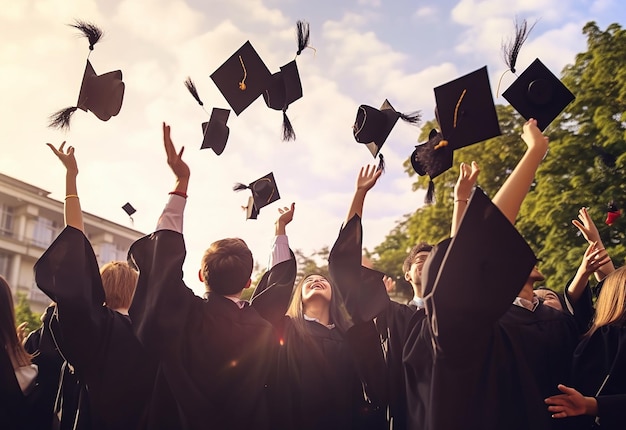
(218, 354)
(94, 332)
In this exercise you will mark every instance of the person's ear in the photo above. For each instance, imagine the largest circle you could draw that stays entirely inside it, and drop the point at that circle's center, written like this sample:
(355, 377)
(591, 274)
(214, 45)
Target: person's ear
(407, 276)
(248, 284)
(200, 276)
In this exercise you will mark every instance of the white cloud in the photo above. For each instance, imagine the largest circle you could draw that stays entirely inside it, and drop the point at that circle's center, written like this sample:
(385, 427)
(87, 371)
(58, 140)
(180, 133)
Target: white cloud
(425, 11)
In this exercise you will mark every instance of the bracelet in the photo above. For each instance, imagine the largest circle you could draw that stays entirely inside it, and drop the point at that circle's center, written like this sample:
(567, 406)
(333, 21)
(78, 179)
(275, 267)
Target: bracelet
(461, 200)
(69, 196)
(178, 193)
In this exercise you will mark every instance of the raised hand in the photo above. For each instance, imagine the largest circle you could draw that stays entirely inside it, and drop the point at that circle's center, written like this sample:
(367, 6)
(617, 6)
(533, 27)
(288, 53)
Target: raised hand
(466, 181)
(368, 175)
(533, 136)
(174, 159)
(587, 227)
(286, 216)
(67, 158)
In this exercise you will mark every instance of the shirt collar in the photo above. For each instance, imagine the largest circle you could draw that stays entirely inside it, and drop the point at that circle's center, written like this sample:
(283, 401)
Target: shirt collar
(308, 318)
(531, 305)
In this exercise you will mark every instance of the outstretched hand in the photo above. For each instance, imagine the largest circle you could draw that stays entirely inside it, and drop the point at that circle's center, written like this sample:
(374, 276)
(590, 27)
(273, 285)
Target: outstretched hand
(571, 403)
(368, 175)
(587, 227)
(286, 216)
(594, 258)
(533, 136)
(466, 181)
(174, 159)
(67, 158)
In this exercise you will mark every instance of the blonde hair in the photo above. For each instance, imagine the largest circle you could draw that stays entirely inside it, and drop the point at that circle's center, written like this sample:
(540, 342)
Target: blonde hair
(611, 304)
(10, 342)
(119, 281)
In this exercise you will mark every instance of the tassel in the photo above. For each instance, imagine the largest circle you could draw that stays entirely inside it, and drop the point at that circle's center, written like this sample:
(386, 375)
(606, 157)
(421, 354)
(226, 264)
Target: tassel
(239, 186)
(90, 31)
(288, 132)
(381, 163)
(61, 119)
(192, 89)
(430, 193)
(512, 48)
(412, 118)
(303, 35)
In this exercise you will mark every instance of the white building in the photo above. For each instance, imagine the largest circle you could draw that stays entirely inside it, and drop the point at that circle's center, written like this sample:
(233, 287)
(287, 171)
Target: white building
(30, 221)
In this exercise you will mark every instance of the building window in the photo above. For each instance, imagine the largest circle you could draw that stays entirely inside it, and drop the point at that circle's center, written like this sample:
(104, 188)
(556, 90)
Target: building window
(5, 264)
(109, 252)
(45, 230)
(6, 220)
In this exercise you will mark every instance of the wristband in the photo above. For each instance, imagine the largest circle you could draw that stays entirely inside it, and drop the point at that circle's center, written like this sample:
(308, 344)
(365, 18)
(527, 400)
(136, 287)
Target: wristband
(178, 193)
(69, 196)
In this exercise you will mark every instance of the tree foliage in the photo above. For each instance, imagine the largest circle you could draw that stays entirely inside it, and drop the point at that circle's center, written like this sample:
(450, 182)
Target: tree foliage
(585, 166)
(23, 313)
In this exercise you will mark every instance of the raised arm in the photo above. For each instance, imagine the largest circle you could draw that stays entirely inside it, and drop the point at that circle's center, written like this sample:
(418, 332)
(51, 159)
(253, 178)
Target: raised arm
(280, 246)
(368, 175)
(587, 227)
(71, 209)
(510, 196)
(462, 192)
(594, 258)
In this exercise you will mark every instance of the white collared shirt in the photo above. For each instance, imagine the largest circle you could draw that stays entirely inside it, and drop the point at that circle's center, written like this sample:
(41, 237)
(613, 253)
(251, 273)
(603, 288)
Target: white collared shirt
(530, 305)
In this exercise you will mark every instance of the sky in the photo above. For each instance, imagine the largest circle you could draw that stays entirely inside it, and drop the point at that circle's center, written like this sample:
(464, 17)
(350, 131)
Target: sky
(366, 51)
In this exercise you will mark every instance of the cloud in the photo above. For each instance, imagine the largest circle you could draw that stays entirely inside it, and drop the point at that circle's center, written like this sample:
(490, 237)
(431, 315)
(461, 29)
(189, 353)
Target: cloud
(425, 12)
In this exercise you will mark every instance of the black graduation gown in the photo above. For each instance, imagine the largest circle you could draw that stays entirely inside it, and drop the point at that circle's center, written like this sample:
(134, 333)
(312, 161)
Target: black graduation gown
(366, 299)
(599, 370)
(217, 359)
(493, 363)
(99, 342)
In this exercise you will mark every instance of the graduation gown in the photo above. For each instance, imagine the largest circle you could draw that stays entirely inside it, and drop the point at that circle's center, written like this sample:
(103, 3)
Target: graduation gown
(366, 299)
(492, 363)
(218, 359)
(599, 370)
(98, 342)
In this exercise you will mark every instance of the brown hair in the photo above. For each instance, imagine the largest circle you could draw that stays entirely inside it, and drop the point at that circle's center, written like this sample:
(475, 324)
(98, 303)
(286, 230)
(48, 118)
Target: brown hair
(119, 281)
(17, 354)
(227, 266)
(410, 259)
(611, 304)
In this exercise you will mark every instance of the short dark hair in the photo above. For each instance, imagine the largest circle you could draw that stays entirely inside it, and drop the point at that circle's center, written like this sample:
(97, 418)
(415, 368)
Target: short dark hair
(227, 266)
(410, 259)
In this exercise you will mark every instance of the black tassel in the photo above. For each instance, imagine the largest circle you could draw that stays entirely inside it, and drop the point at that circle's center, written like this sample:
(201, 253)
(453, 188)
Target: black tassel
(381, 163)
(412, 118)
(89, 30)
(430, 193)
(288, 132)
(512, 48)
(303, 35)
(61, 119)
(239, 186)
(192, 89)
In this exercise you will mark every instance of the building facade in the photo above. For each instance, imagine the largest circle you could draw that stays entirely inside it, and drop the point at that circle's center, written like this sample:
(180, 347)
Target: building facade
(30, 221)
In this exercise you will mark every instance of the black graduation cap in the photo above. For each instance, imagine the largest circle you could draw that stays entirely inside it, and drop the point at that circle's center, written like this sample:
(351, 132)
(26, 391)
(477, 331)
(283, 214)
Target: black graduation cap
(100, 94)
(264, 191)
(216, 131)
(486, 253)
(285, 86)
(242, 78)
(432, 158)
(465, 110)
(538, 93)
(129, 209)
(372, 126)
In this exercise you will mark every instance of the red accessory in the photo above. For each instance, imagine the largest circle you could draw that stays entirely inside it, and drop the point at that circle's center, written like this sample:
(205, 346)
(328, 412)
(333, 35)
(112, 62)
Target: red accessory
(178, 193)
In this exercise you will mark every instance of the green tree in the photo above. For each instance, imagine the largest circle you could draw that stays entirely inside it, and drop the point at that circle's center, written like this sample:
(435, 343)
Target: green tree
(23, 313)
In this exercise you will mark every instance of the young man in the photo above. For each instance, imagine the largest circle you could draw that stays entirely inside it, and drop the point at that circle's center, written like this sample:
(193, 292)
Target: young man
(217, 354)
(412, 268)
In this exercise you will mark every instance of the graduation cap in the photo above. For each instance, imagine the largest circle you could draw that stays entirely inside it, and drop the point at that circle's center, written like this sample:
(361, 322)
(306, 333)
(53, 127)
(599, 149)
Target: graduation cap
(242, 78)
(465, 110)
(372, 126)
(457, 267)
(264, 192)
(285, 86)
(102, 95)
(214, 132)
(612, 213)
(130, 210)
(538, 93)
(251, 211)
(432, 158)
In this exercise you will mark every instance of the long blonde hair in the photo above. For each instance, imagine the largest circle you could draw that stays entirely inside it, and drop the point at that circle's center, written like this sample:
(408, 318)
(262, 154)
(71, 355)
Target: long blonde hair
(10, 342)
(611, 304)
